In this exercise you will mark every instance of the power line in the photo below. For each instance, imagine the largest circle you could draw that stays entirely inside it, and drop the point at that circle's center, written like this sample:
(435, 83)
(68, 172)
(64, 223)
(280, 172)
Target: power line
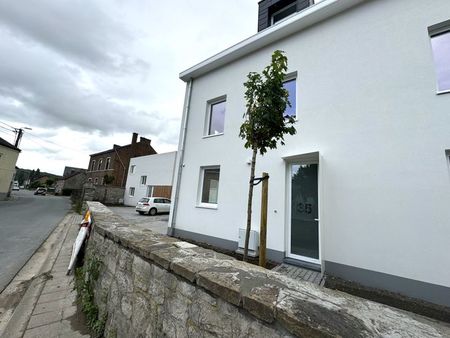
(6, 124)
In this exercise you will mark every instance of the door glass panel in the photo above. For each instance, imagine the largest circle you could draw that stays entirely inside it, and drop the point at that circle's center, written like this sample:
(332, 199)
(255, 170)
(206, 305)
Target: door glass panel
(304, 227)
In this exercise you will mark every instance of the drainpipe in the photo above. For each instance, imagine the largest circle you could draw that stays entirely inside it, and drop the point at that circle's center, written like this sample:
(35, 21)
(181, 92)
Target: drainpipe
(180, 155)
(123, 165)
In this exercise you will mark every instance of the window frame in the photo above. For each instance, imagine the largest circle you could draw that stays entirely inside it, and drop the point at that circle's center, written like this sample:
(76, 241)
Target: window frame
(294, 4)
(131, 191)
(201, 204)
(99, 166)
(132, 168)
(93, 165)
(108, 163)
(209, 105)
(433, 31)
(143, 180)
(293, 77)
(96, 181)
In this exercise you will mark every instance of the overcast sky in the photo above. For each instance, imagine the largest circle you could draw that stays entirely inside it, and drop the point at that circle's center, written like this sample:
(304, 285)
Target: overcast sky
(85, 74)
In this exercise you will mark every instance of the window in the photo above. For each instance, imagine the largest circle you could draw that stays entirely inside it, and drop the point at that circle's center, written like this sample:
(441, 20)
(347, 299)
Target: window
(284, 12)
(290, 86)
(100, 162)
(132, 169)
(216, 117)
(108, 163)
(210, 185)
(96, 181)
(89, 179)
(131, 191)
(440, 44)
(93, 165)
(143, 180)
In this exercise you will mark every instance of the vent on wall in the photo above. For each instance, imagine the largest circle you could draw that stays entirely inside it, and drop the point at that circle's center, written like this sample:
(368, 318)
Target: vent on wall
(253, 243)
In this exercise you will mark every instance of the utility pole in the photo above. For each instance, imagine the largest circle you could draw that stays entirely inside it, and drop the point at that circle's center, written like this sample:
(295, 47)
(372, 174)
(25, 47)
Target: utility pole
(19, 134)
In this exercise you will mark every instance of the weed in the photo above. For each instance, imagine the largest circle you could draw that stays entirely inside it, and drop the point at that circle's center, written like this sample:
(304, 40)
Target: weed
(85, 278)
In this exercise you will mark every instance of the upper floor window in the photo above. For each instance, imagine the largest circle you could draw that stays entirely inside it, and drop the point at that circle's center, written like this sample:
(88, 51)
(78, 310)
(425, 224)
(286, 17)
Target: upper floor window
(108, 163)
(100, 162)
(291, 86)
(143, 180)
(440, 44)
(216, 116)
(96, 181)
(132, 168)
(93, 165)
(284, 12)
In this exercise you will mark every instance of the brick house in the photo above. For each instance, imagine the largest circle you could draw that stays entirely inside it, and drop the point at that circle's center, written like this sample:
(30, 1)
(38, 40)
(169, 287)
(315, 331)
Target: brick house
(115, 162)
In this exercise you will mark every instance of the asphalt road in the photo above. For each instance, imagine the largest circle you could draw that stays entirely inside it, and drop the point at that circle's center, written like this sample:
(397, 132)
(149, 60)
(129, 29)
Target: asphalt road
(25, 222)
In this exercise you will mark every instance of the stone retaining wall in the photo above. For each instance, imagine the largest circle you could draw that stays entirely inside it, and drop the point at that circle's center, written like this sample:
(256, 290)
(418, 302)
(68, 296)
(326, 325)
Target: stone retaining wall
(152, 285)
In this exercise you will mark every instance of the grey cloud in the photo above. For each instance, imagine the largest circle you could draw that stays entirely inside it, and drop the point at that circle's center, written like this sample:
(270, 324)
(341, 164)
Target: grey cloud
(80, 30)
(50, 96)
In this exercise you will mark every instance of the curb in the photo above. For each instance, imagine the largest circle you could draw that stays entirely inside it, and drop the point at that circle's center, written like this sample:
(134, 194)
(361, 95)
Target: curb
(37, 269)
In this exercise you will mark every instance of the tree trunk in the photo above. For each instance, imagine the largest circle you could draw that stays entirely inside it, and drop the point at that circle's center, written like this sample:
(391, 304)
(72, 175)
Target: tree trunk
(249, 205)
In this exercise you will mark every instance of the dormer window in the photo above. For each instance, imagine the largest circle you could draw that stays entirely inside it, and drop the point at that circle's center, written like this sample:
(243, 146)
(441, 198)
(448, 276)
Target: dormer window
(284, 13)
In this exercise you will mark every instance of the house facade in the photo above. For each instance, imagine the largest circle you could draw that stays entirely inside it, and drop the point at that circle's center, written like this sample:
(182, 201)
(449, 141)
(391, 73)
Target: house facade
(361, 192)
(8, 158)
(114, 162)
(150, 176)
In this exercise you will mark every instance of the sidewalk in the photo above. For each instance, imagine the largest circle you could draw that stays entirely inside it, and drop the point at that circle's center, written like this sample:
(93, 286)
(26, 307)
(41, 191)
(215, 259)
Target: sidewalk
(48, 308)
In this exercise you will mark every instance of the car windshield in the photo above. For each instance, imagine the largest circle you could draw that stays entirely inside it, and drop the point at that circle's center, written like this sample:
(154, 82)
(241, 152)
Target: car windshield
(143, 200)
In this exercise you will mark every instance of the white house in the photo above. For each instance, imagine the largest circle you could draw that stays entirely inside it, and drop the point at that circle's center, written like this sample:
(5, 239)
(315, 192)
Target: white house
(362, 191)
(149, 176)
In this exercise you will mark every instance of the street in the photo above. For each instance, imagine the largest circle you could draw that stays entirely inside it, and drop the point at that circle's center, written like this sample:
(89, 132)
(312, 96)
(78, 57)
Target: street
(25, 222)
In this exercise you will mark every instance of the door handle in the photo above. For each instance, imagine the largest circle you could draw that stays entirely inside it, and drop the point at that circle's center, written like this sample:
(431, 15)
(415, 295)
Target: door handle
(316, 219)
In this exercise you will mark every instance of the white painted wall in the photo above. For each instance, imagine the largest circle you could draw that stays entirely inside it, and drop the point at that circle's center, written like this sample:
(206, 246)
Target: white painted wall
(159, 171)
(366, 100)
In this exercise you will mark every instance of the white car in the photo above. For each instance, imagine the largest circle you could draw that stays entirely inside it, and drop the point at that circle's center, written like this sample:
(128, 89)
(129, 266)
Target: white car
(153, 205)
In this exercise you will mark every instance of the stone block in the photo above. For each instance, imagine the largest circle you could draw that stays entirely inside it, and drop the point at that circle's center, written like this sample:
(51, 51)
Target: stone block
(260, 302)
(225, 284)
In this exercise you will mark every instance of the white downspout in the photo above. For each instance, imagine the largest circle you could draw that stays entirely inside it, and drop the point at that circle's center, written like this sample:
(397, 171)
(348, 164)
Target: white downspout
(180, 156)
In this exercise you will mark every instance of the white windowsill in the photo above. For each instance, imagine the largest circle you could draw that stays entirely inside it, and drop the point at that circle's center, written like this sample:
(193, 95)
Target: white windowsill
(206, 206)
(212, 135)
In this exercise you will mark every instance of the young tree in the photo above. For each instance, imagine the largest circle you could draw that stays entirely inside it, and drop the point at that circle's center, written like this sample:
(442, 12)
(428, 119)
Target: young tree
(265, 124)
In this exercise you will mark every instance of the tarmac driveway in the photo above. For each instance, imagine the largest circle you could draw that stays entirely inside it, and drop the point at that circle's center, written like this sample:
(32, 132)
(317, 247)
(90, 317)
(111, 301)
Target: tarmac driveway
(156, 223)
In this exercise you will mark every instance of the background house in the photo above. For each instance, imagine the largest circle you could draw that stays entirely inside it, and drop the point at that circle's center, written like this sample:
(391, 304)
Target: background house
(362, 191)
(73, 179)
(8, 159)
(115, 162)
(149, 176)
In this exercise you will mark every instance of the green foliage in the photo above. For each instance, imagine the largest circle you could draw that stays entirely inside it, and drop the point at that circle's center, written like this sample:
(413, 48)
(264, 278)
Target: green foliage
(85, 278)
(108, 179)
(265, 123)
(35, 185)
(49, 182)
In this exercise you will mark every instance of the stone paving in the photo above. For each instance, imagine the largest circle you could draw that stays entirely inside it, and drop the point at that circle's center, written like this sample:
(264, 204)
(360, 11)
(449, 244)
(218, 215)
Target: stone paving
(298, 273)
(55, 313)
(156, 223)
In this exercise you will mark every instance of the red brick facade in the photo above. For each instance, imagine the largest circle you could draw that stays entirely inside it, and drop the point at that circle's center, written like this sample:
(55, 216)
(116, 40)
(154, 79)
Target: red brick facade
(115, 162)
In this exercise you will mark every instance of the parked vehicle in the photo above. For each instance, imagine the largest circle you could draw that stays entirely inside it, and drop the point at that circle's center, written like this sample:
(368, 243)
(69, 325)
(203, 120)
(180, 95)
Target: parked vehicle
(40, 191)
(153, 205)
(15, 185)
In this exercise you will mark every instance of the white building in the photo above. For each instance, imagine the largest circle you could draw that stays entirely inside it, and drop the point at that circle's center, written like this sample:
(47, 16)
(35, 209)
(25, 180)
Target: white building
(149, 176)
(362, 191)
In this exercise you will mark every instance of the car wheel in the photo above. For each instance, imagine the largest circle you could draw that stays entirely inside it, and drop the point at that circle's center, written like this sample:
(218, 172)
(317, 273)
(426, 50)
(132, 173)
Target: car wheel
(152, 212)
